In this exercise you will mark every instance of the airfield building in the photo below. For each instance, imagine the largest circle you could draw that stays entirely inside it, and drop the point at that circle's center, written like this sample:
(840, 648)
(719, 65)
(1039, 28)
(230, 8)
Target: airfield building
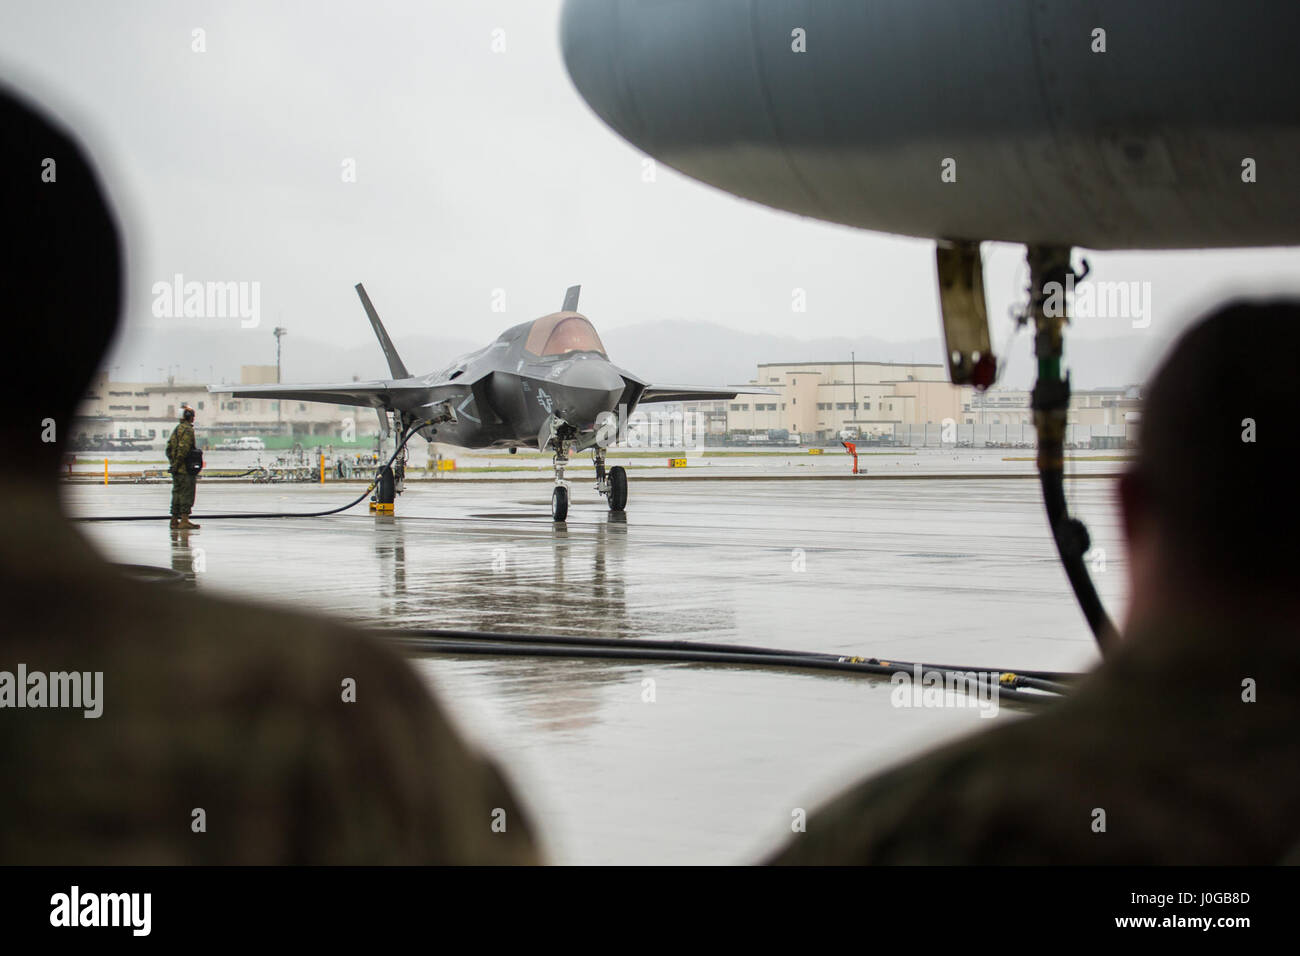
(907, 403)
(144, 413)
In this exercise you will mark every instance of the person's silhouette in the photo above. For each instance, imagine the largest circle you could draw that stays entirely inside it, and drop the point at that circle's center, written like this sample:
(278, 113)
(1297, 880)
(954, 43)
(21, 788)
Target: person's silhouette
(1184, 745)
(228, 732)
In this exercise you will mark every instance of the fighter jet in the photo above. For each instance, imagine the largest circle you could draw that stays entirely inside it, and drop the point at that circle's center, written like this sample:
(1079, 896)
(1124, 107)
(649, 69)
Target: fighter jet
(545, 384)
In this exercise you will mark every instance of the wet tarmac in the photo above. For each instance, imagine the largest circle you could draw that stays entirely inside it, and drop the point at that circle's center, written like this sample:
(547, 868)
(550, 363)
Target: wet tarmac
(497, 464)
(652, 762)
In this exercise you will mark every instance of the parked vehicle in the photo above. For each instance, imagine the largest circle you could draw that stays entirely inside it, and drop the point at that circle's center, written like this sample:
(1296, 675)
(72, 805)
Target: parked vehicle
(247, 443)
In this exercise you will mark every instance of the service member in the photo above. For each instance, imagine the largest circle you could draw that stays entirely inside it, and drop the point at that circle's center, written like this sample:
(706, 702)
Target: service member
(181, 446)
(226, 732)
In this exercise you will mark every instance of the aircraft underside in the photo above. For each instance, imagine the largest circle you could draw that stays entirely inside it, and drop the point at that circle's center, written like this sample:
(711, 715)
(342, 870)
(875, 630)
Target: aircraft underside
(461, 419)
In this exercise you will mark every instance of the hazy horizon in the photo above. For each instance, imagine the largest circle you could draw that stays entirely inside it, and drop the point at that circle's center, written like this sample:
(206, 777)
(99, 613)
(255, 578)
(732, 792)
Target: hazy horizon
(666, 351)
(484, 186)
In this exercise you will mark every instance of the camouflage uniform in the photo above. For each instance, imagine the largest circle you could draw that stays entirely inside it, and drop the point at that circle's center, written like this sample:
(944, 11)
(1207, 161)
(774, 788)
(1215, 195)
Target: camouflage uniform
(236, 710)
(229, 733)
(179, 445)
(1159, 738)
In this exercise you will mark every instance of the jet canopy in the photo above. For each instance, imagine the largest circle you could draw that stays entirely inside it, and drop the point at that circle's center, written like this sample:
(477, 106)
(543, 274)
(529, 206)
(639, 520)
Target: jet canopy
(560, 334)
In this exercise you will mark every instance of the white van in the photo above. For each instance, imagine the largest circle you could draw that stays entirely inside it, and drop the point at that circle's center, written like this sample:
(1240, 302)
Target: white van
(247, 443)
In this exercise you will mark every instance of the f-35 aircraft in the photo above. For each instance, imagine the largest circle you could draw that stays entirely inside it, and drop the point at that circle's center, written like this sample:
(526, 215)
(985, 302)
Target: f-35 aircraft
(545, 384)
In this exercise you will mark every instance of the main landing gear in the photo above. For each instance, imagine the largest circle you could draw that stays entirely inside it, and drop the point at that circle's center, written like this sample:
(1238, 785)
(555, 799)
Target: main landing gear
(611, 484)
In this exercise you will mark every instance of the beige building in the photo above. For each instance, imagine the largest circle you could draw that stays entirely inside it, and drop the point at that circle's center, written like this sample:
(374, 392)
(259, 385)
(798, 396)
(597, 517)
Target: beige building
(1091, 407)
(146, 412)
(905, 402)
(819, 400)
(1106, 406)
(1002, 406)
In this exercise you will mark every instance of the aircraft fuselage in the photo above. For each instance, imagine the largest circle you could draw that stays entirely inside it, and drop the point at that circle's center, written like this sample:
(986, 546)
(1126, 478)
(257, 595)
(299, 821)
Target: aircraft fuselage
(509, 392)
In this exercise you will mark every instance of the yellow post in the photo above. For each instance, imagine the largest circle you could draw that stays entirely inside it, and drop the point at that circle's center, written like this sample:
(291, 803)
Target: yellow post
(322, 468)
(105, 471)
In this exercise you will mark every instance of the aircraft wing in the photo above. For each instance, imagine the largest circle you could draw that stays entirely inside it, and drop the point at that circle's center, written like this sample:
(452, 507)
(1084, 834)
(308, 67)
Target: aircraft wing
(699, 393)
(381, 394)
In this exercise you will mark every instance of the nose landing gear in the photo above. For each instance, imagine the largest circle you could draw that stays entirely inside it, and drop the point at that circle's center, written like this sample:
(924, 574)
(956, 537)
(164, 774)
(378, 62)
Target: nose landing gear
(558, 434)
(559, 503)
(563, 438)
(560, 496)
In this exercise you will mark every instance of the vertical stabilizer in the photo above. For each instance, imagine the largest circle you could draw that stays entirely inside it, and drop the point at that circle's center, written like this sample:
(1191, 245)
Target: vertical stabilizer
(395, 364)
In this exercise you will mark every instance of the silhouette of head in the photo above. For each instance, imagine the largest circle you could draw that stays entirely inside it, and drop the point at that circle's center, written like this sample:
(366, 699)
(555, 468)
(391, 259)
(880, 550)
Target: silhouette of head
(1210, 504)
(60, 280)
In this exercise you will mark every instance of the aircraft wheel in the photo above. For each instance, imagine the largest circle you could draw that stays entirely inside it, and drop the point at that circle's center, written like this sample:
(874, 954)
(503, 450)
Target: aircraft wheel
(617, 488)
(559, 503)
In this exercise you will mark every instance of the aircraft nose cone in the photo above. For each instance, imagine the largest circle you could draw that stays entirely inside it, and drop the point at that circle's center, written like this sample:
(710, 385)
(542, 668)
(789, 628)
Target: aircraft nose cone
(587, 389)
(594, 376)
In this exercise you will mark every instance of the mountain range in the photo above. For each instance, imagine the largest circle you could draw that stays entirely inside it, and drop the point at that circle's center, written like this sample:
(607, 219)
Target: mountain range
(665, 351)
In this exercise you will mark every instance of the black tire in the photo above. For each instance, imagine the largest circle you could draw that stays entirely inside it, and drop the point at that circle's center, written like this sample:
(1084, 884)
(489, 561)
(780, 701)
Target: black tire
(617, 488)
(559, 503)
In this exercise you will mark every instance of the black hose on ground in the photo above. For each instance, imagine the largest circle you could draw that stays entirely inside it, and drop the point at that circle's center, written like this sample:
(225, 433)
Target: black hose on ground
(529, 645)
(407, 636)
(276, 514)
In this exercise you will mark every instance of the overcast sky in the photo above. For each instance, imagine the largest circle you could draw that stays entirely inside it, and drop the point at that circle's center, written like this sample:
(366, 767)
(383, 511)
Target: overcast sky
(476, 171)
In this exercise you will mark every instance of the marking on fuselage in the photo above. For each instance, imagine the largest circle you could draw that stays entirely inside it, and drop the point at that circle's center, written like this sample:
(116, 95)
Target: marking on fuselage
(461, 408)
(545, 401)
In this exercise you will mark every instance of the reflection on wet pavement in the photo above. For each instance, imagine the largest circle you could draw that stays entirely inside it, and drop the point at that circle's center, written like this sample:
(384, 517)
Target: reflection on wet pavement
(630, 762)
